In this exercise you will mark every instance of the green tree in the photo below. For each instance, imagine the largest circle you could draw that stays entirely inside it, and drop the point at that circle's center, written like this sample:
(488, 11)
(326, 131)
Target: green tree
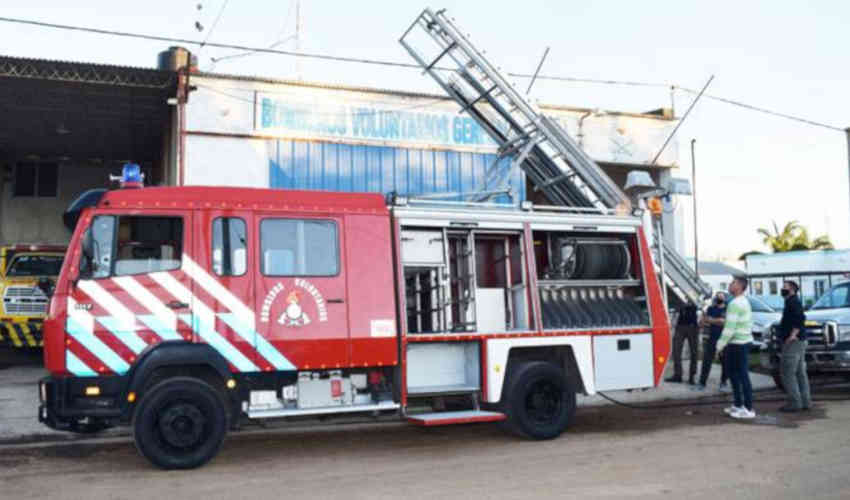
(793, 236)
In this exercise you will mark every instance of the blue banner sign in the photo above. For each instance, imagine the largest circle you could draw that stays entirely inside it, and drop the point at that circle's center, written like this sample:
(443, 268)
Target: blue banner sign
(365, 122)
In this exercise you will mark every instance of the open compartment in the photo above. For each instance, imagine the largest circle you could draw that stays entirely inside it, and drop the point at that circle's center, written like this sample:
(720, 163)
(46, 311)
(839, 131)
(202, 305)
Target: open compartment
(465, 280)
(589, 280)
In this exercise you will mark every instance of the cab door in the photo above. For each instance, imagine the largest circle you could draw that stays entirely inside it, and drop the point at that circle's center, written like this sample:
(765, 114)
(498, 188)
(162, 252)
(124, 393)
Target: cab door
(133, 289)
(300, 289)
(224, 286)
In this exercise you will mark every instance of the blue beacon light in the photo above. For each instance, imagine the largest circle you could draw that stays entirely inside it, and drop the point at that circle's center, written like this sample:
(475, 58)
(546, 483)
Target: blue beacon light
(131, 176)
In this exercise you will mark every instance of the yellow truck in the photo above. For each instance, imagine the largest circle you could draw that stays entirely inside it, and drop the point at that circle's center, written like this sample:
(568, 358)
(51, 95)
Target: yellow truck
(27, 272)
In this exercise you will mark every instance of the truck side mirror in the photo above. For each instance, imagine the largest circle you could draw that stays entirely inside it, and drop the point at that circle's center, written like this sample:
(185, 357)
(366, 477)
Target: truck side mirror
(87, 260)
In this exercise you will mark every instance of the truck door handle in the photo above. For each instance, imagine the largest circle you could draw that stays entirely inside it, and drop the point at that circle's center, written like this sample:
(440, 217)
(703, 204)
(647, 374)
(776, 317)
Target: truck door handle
(335, 301)
(176, 304)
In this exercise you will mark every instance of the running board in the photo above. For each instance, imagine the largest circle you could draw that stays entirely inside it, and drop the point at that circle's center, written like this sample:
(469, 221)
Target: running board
(455, 417)
(325, 410)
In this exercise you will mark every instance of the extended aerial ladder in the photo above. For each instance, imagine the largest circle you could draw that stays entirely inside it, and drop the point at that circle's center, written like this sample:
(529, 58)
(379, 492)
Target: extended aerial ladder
(553, 162)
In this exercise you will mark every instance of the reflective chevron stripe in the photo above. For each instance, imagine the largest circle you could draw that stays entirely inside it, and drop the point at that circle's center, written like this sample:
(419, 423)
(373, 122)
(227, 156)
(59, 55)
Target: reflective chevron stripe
(76, 366)
(202, 321)
(80, 325)
(122, 323)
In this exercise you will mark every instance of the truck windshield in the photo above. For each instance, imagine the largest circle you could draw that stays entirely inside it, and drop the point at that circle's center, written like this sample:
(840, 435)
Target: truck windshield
(834, 298)
(35, 265)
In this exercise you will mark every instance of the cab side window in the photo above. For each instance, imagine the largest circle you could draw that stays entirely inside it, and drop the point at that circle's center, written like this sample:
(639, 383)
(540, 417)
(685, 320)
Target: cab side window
(299, 247)
(148, 245)
(229, 254)
(120, 246)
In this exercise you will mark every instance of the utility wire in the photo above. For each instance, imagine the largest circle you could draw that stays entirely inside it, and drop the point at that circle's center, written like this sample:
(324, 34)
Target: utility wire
(215, 23)
(397, 64)
(761, 110)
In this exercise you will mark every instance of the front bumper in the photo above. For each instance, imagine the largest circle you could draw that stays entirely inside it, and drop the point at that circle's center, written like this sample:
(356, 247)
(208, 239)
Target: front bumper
(816, 361)
(63, 404)
(22, 332)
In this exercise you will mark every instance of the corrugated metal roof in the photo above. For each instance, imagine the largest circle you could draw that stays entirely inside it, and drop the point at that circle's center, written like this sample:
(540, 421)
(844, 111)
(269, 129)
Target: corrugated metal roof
(86, 72)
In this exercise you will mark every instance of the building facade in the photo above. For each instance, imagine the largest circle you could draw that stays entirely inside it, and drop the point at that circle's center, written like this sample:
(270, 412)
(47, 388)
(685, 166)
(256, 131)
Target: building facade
(816, 271)
(72, 125)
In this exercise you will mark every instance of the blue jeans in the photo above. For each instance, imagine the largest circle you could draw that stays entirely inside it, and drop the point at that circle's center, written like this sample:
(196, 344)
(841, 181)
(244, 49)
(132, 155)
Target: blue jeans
(738, 356)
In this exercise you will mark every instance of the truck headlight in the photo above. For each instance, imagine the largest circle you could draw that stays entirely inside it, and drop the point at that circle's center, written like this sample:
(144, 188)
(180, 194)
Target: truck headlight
(843, 333)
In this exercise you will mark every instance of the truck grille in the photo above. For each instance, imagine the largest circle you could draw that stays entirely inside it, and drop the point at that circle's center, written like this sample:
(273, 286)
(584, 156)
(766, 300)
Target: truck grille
(821, 334)
(24, 300)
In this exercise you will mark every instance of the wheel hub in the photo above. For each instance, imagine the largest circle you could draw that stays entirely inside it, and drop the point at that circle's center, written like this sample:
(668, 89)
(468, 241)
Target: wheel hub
(182, 425)
(543, 403)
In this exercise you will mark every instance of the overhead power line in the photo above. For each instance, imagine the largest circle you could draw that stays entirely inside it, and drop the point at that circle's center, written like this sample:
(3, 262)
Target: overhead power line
(215, 23)
(396, 64)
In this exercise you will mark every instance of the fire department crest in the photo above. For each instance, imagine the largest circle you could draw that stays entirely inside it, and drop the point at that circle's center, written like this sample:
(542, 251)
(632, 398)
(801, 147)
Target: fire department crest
(302, 304)
(294, 315)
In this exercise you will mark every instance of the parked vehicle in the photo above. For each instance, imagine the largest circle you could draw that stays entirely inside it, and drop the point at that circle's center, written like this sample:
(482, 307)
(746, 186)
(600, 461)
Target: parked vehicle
(27, 275)
(776, 302)
(187, 309)
(828, 334)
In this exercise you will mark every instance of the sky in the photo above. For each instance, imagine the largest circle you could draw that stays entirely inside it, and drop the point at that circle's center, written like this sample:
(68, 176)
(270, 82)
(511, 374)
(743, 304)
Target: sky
(752, 169)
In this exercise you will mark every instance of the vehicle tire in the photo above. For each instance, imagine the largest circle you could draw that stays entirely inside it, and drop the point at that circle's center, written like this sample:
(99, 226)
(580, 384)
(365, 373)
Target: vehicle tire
(539, 401)
(180, 423)
(777, 379)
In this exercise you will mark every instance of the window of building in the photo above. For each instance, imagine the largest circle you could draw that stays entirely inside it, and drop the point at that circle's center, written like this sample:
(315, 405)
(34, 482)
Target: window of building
(36, 180)
(820, 288)
(298, 247)
(119, 246)
(758, 287)
(774, 289)
(229, 252)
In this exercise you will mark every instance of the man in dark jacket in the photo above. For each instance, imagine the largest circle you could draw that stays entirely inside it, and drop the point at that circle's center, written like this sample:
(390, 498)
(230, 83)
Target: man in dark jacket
(713, 319)
(686, 330)
(791, 336)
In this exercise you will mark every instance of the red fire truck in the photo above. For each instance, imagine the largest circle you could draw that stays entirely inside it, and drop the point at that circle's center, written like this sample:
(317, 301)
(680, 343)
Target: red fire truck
(182, 311)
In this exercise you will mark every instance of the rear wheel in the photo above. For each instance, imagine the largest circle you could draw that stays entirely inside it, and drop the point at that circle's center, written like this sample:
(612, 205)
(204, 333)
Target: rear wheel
(180, 423)
(539, 401)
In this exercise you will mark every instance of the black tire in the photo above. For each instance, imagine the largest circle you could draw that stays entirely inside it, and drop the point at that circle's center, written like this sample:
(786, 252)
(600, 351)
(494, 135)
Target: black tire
(180, 423)
(538, 400)
(777, 379)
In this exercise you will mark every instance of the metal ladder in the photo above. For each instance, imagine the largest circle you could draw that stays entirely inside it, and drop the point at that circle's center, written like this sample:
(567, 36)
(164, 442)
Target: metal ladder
(553, 162)
(538, 144)
(680, 278)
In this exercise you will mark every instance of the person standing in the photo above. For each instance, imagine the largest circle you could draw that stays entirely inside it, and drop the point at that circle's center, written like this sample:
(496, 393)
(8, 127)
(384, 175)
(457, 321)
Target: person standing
(738, 334)
(791, 335)
(713, 319)
(686, 330)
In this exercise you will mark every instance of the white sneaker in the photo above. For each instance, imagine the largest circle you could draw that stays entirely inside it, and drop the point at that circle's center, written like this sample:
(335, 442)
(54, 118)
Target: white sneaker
(733, 409)
(743, 413)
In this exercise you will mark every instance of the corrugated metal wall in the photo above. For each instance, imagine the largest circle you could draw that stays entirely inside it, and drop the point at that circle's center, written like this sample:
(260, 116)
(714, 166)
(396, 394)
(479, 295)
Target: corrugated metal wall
(345, 167)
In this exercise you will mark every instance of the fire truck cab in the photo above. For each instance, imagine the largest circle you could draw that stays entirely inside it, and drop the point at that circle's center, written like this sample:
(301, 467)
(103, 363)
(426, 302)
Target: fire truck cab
(183, 311)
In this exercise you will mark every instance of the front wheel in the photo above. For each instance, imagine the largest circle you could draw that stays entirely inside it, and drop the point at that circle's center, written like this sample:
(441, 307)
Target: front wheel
(539, 401)
(180, 423)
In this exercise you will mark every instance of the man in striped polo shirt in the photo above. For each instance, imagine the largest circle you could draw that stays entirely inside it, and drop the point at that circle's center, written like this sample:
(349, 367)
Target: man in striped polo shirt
(737, 333)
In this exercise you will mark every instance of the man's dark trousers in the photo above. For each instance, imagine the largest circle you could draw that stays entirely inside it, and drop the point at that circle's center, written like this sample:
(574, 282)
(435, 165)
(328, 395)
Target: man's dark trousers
(689, 334)
(708, 352)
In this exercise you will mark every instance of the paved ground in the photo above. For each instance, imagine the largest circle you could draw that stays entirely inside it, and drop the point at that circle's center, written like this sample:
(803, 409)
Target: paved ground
(19, 398)
(687, 449)
(611, 452)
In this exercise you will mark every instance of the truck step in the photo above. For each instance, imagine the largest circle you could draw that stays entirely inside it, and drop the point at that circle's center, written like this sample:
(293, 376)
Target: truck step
(455, 417)
(281, 412)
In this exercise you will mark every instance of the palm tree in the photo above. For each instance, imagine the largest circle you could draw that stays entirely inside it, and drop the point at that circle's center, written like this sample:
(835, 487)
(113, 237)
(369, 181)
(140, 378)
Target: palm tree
(793, 236)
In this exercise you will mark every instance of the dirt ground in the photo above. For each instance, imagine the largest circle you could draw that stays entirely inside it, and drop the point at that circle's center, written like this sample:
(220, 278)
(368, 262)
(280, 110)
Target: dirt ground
(610, 452)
